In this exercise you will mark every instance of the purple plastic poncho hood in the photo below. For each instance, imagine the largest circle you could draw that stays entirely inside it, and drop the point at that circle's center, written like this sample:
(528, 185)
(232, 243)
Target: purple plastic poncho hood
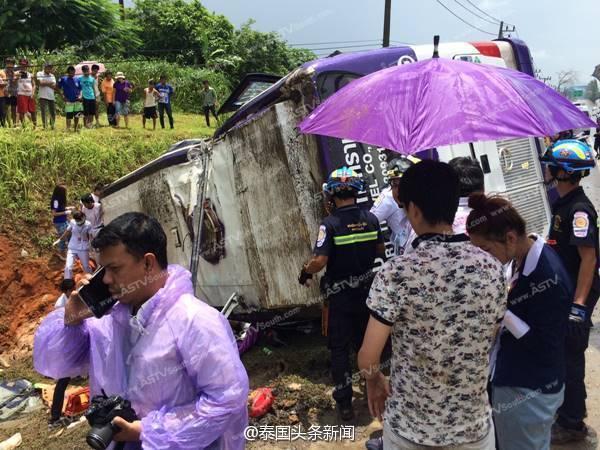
(176, 361)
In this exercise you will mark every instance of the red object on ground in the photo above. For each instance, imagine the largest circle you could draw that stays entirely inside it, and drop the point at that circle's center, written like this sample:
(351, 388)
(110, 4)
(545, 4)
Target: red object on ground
(260, 400)
(78, 402)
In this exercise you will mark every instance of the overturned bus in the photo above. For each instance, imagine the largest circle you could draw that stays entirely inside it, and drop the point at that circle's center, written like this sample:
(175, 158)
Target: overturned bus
(242, 210)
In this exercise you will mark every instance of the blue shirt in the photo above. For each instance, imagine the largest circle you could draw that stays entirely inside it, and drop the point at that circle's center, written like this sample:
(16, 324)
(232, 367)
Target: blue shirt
(70, 87)
(165, 90)
(541, 296)
(87, 87)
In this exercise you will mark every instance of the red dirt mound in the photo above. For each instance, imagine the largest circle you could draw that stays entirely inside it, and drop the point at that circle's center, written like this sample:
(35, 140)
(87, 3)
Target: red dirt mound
(28, 291)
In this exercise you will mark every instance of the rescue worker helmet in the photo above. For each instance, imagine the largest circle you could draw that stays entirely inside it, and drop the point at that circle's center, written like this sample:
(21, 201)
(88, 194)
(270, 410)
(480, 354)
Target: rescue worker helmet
(342, 180)
(570, 155)
(398, 166)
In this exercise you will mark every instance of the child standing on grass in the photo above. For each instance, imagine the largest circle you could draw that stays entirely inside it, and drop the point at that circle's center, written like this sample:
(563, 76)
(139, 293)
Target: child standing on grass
(151, 95)
(79, 233)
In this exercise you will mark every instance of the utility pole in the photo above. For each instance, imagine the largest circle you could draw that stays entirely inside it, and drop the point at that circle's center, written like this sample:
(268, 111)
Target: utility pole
(122, 6)
(505, 29)
(386, 23)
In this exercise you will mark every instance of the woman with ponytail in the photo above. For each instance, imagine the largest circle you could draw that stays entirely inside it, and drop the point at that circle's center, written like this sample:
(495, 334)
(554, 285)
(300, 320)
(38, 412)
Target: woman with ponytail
(528, 378)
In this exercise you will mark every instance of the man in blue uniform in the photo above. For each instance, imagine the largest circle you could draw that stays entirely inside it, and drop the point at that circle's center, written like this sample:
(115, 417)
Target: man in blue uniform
(348, 242)
(574, 236)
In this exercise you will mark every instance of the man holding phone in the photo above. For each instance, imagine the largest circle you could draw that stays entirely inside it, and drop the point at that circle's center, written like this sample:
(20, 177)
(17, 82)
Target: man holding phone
(171, 355)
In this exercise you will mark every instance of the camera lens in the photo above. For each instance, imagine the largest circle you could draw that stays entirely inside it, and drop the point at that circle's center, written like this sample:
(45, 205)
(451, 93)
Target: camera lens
(99, 438)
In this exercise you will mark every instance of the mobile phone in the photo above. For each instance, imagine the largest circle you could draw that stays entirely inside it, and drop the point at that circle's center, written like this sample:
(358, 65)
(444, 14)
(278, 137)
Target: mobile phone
(96, 295)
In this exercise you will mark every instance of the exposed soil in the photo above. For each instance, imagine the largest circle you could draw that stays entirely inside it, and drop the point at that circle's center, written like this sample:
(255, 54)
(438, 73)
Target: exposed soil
(29, 287)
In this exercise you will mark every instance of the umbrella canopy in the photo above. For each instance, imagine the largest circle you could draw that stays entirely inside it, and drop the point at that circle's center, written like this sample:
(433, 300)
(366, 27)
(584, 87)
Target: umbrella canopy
(78, 67)
(439, 102)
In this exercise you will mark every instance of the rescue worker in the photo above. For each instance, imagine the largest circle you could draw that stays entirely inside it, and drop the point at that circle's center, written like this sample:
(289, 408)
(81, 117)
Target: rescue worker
(574, 236)
(348, 242)
(387, 206)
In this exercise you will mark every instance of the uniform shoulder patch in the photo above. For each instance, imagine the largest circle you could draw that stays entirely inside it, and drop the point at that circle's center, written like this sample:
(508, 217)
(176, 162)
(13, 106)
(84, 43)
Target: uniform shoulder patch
(581, 224)
(321, 236)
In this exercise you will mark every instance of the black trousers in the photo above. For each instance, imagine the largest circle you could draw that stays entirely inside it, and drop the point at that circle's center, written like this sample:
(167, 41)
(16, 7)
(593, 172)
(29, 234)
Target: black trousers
(573, 410)
(162, 107)
(348, 318)
(207, 110)
(110, 114)
(58, 398)
(2, 111)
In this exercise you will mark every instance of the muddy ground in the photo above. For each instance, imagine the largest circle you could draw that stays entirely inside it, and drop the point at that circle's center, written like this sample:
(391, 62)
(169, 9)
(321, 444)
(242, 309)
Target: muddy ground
(298, 371)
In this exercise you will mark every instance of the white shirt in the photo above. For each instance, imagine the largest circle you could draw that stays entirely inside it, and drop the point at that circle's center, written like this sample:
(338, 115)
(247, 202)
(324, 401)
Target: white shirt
(25, 85)
(46, 92)
(386, 208)
(61, 301)
(80, 236)
(459, 226)
(96, 198)
(94, 215)
(150, 98)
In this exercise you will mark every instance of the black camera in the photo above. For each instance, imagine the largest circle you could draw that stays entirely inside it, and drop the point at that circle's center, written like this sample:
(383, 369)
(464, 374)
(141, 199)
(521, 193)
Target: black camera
(102, 411)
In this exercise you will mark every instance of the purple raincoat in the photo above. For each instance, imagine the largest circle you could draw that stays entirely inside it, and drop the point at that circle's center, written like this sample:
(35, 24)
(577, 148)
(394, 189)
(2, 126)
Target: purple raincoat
(176, 361)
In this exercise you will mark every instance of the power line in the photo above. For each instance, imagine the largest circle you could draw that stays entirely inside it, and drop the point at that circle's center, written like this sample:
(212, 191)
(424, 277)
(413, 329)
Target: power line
(482, 11)
(346, 46)
(334, 42)
(463, 20)
(475, 14)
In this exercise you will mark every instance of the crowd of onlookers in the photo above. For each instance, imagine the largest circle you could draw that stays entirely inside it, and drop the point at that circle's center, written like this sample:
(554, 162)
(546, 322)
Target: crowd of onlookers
(83, 94)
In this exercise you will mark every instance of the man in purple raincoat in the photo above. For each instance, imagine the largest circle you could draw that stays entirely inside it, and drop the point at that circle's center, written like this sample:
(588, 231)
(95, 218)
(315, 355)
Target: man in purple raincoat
(173, 356)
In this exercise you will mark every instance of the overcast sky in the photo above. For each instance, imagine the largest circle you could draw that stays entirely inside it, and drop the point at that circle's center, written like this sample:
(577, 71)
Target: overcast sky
(561, 35)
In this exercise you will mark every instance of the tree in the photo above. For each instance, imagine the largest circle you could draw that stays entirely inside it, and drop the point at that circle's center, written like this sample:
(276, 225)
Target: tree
(53, 24)
(565, 78)
(264, 52)
(592, 92)
(180, 31)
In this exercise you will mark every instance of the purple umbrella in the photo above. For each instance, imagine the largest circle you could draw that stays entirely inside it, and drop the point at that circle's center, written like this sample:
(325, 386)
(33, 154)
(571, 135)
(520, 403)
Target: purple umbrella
(439, 102)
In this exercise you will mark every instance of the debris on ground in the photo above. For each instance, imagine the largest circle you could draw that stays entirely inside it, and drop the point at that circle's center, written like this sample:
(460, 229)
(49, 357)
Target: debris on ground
(17, 397)
(13, 442)
(261, 400)
(297, 400)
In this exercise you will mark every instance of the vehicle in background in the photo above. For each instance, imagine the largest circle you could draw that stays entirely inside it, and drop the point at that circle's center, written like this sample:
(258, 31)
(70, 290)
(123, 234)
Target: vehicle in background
(260, 184)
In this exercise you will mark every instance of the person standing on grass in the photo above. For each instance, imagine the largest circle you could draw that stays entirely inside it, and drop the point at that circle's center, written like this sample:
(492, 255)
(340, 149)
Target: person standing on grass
(47, 83)
(87, 82)
(25, 94)
(108, 91)
(123, 90)
(11, 91)
(209, 102)
(95, 70)
(3, 89)
(72, 96)
(166, 92)
(150, 97)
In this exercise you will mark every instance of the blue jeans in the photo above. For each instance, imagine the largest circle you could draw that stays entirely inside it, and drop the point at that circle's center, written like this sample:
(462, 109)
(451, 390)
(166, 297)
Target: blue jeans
(60, 229)
(524, 417)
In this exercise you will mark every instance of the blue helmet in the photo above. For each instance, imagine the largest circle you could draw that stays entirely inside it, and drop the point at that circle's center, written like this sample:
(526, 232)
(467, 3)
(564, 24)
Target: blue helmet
(570, 155)
(343, 179)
